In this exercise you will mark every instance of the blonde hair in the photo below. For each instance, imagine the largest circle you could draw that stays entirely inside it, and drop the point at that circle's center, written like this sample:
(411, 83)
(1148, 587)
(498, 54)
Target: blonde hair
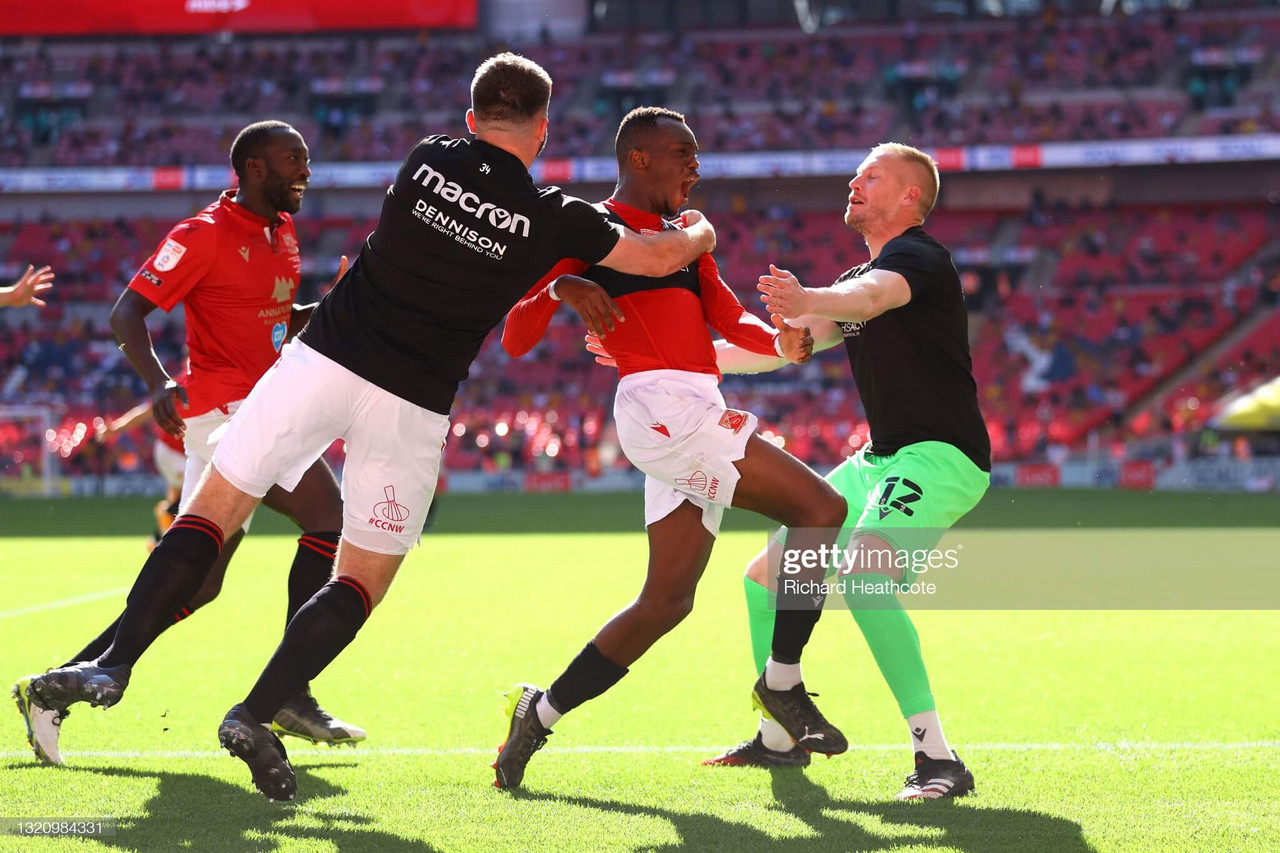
(924, 163)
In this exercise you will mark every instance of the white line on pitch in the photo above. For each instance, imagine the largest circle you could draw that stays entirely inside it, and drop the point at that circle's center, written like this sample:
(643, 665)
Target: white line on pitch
(1117, 746)
(66, 602)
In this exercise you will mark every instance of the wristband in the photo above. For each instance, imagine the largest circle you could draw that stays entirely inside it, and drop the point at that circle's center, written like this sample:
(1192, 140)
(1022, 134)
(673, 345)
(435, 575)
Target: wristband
(777, 345)
(551, 291)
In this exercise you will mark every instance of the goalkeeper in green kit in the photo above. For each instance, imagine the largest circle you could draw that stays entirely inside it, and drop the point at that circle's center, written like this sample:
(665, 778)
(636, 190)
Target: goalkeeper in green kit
(902, 319)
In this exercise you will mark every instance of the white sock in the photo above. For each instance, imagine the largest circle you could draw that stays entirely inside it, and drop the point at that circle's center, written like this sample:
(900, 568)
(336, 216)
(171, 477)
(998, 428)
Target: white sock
(774, 736)
(781, 676)
(547, 715)
(926, 735)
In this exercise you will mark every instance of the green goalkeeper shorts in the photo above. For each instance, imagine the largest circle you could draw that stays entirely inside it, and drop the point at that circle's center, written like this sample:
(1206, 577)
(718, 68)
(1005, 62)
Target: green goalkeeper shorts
(907, 499)
(929, 485)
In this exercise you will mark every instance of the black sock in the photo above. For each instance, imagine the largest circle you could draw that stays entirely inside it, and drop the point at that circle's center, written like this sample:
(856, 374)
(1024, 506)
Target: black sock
(171, 576)
(98, 645)
(590, 674)
(103, 641)
(318, 633)
(791, 632)
(312, 568)
(799, 608)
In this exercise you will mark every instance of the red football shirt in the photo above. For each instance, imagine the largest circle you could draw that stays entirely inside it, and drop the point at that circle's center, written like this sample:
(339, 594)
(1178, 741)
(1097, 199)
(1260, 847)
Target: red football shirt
(237, 274)
(666, 327)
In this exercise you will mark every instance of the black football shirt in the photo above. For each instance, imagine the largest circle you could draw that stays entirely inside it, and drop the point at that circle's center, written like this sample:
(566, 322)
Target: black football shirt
(463, 235)
(912, 364)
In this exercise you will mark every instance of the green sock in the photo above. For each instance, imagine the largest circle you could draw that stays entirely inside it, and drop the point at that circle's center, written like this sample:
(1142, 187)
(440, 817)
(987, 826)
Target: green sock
(761, 607)
(894, 644)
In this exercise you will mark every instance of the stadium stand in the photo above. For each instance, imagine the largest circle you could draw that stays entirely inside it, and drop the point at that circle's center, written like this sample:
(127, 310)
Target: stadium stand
(367, 97)
(1112, 302)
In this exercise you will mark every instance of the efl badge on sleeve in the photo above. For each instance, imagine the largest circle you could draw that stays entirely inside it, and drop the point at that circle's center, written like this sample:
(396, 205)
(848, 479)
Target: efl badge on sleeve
(169, 255)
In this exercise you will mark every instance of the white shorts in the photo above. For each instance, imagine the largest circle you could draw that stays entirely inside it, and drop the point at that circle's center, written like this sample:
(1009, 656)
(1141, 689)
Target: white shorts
(305, 402)
(673, 425)
(170, 464)
(200, 445)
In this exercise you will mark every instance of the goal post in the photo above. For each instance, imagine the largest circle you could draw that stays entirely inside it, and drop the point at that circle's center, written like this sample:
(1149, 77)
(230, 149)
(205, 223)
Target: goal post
(28, 460)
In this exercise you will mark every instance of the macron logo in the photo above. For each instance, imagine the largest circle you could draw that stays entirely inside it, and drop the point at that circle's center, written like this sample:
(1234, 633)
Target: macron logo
(499, 218)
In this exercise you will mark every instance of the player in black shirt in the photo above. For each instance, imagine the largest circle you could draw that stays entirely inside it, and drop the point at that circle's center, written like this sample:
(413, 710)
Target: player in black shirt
(903, 321)
(463, 235)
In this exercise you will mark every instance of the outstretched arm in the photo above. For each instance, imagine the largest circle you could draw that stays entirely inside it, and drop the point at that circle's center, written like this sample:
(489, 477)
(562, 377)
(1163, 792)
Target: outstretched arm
(742, 328)
(853, 301)
(136, 416)
(735, 359)
(663, 253)
(23, 292)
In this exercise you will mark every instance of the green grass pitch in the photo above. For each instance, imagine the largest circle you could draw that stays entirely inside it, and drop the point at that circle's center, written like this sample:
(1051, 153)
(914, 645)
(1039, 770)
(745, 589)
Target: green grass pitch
(1086, 730)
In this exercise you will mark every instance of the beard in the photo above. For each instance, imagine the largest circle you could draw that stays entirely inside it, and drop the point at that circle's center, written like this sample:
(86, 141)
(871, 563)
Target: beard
(276, 191)
(863, 219)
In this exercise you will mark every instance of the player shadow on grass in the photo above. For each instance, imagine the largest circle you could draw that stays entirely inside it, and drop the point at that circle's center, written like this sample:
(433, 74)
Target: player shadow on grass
(202, 813)
(942, 823)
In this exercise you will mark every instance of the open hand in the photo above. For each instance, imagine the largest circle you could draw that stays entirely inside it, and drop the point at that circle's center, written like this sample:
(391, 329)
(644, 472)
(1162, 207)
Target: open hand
(596, 348)
(24, 290)
(782, 294)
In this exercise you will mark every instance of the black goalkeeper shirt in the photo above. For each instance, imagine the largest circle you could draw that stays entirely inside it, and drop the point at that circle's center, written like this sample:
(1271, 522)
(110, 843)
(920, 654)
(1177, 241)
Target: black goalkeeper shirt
(912, 364)
(463, 235)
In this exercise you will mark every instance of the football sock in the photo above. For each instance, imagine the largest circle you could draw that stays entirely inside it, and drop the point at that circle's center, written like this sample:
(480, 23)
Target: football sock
(589, 675)
(791, 632)
(172, 574)
(97, 645)
(926, 735)
(894, 644)
(774, 736)
(312, 567)
(781, 676)
(547, 715)
(761, 607)
(322, 628)
(798, 610)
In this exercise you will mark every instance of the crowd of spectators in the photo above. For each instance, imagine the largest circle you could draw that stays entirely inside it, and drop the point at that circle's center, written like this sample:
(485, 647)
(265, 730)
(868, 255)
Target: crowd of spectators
(1056, 357)
(176, 102)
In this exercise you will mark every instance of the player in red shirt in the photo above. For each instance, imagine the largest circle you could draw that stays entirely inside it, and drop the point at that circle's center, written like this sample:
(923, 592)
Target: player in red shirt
(698, 455)
(235, 266)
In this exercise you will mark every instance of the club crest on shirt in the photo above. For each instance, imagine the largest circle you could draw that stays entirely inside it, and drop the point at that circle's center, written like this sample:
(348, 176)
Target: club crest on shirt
(169, 255)
(282, 290)
(278, 332)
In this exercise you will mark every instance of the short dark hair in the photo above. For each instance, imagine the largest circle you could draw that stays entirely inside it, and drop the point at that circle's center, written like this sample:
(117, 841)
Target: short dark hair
(252, 142)
(510, 88)
(636, 124)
